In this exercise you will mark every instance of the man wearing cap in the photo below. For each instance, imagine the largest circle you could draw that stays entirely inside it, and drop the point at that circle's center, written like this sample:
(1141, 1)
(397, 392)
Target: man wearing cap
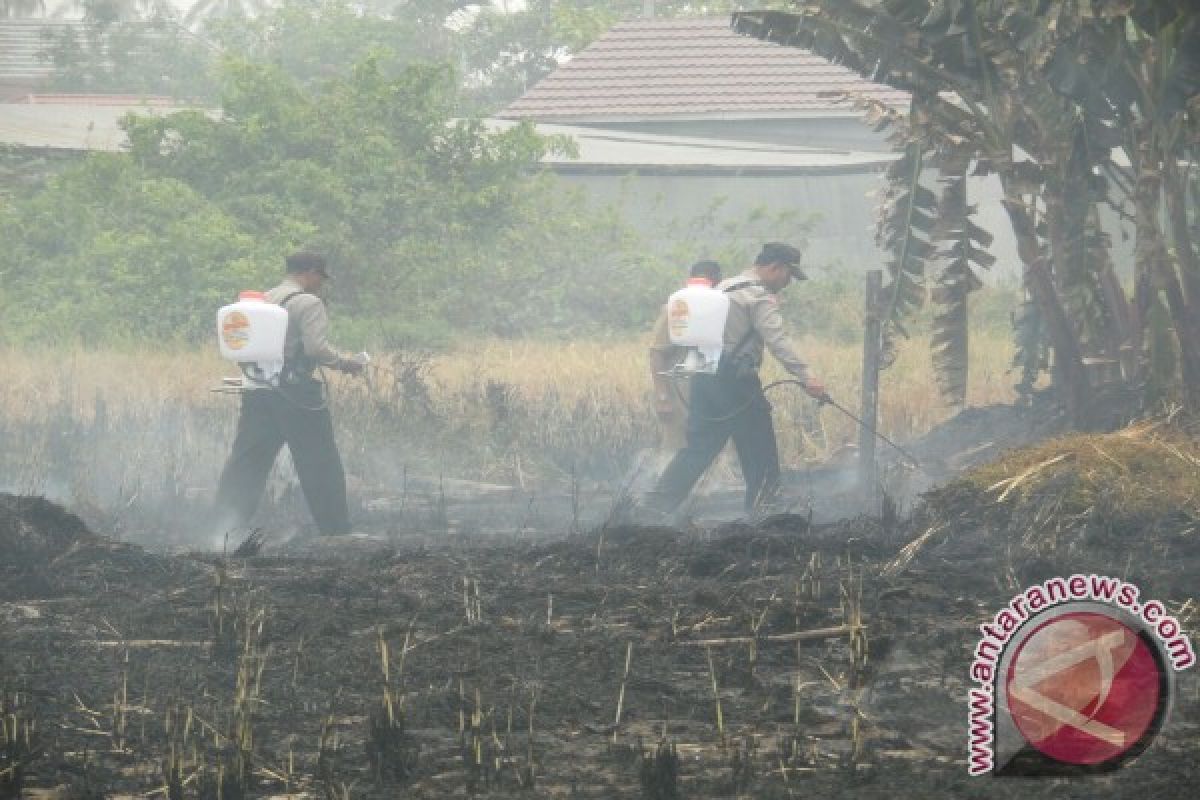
(731, 403)
(295, 412)
(670, 391)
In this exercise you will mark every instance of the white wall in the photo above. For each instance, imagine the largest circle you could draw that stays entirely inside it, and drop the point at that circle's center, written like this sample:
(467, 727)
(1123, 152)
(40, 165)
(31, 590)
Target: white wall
(844, 234)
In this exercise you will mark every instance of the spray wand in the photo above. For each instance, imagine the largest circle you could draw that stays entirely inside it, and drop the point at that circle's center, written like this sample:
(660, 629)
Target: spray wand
(825, 399)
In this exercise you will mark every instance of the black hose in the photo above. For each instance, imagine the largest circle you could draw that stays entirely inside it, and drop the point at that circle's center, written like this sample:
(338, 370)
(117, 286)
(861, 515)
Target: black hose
(284, 394)
(823, 400)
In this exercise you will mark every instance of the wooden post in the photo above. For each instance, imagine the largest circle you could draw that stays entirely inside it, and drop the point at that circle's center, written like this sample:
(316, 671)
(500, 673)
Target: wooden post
(872, 344)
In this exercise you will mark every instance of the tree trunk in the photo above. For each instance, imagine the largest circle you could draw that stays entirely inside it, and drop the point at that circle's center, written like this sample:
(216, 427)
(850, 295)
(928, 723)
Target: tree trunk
(1118, 322)
(1175, 191)
(1067, 353)
(1152, 260)
(1188, 296)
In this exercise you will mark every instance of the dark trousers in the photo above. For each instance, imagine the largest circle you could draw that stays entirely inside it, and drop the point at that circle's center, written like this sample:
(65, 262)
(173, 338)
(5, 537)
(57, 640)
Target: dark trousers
(721, 408)
(296, 416)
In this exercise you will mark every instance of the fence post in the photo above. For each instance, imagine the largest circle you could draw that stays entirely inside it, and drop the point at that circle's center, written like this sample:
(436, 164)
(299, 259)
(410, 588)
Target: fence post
(872, 344)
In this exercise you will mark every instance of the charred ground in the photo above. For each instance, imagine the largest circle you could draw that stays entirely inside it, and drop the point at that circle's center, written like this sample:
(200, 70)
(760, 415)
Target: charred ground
(446, 665)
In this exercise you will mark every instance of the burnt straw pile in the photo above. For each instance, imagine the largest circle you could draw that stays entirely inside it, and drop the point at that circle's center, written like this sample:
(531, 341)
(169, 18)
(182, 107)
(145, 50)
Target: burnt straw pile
(1081, 499)
(48, 551)
(34, 534)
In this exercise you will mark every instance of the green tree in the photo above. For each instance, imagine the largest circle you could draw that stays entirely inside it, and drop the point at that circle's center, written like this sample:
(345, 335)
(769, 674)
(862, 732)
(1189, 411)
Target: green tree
(132, 54)
(313, 41)
(1041, 98)
(433, 223)
(107, 251)
(202, 10)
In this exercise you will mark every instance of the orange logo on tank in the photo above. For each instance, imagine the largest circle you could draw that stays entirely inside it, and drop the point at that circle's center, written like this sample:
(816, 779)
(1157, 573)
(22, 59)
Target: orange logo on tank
(678, 316)
(235, 330)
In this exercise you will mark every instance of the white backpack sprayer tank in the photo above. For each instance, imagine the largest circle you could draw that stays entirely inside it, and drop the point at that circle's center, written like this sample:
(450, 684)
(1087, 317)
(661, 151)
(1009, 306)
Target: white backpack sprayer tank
(251, 333)
(696, 317)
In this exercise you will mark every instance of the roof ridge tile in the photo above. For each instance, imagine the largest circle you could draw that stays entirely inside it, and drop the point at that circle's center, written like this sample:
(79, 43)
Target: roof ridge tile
(677, 65)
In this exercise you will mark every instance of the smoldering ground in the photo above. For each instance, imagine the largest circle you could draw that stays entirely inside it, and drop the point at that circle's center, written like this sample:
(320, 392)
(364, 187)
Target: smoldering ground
(460, 654)
(772, 660)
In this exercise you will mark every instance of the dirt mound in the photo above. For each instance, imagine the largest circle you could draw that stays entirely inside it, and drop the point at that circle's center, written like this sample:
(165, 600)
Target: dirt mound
(34, 533)
(979, 435)
(1077, 498)
(33, 528)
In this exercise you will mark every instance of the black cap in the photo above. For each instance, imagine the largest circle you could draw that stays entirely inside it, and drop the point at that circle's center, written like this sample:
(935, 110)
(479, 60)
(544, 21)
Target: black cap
(780, 253)
(305, 261)
(706, 269)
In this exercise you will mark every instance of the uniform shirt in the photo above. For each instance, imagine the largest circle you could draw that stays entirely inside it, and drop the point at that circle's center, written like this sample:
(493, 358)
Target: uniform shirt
(308, 325)
(752, 307)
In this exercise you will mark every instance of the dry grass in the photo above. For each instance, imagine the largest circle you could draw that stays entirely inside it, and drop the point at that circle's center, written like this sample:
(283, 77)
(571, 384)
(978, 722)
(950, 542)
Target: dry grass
(527, 398)
(1148, 469)
(140, 437)
(557, 378)
(39, 382)
(1084, 501)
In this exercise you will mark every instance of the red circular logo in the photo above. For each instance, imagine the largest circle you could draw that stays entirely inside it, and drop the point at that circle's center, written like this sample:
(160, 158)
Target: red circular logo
(1084, 688)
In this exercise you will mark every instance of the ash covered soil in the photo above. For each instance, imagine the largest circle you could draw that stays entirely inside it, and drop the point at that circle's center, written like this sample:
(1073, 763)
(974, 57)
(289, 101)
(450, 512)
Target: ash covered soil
(839, 652)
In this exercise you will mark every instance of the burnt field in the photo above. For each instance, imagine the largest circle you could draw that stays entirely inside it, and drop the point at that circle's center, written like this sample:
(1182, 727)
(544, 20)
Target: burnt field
(769, 661)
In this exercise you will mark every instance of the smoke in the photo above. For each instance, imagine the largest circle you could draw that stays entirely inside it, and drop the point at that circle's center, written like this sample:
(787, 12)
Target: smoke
(423, 458)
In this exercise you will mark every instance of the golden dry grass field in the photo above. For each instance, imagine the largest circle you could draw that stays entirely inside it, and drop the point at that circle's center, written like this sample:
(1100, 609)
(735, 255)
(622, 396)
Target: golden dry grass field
(495, 399)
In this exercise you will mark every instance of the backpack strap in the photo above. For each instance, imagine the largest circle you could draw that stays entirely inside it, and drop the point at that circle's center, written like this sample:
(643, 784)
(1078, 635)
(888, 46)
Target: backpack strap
(733, 287)
(301, 365)
(291, 297)
(737, 349)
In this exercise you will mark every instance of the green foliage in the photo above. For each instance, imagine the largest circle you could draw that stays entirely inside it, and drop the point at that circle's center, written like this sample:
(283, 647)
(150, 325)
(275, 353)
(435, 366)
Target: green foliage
(314, 41)
(235, 10)
(499, 50)
(114, 53)
(108, 251)
(1064, 83)
(21, 169)
(432, 224)
(906, 219)
(340, 130)
(829, 308)
(1030, 354)
(962, 255)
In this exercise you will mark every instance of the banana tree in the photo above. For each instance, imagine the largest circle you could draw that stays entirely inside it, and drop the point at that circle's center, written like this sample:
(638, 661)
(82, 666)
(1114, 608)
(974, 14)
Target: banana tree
(1015, 87)
(1138, 69)
(970, 80)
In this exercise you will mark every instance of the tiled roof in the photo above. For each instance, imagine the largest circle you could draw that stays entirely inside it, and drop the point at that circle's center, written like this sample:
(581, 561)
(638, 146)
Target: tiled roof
(691, 68)
(24, 46)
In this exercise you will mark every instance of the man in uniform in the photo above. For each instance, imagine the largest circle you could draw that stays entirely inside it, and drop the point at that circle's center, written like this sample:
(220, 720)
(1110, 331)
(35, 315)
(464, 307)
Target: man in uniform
(671, 392)
(296, 412)
(731, 403)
